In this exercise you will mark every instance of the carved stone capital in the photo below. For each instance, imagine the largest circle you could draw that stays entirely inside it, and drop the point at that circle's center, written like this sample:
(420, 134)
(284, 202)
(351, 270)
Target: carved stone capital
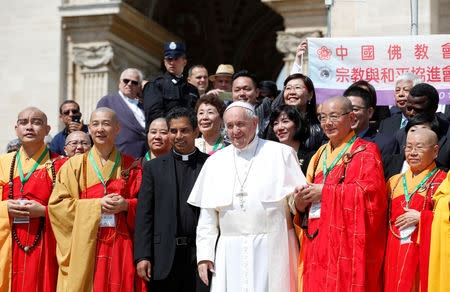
(93, 56)
(287, 42)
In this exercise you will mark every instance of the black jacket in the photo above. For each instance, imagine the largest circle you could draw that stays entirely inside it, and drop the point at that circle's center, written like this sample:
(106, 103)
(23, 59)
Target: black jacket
(156, 214)
(166, 92)
(391, 125)
(393, 165)
(386, 144)
(443, 159)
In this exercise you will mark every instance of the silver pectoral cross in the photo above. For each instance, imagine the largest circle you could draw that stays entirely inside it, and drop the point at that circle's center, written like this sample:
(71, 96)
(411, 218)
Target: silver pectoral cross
(241, 196)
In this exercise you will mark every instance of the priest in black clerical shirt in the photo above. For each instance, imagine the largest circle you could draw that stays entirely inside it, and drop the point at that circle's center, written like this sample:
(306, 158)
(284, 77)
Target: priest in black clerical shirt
(165, 227)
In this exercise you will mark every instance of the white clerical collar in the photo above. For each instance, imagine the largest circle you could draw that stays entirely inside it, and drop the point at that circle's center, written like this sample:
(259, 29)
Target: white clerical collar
(184, 157)
(250, 148)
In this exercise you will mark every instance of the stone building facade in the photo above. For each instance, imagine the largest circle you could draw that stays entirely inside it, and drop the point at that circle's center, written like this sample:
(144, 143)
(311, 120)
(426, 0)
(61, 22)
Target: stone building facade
(75, 49)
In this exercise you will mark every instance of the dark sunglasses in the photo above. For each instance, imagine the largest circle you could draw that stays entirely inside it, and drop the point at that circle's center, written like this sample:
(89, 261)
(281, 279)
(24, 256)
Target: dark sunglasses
(134, 82)
(74, 112)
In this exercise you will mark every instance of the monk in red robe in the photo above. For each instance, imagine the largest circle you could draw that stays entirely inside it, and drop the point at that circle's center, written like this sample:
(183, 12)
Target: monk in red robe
(27, 245)
(92, 211)
(341, 218)
(411, 214)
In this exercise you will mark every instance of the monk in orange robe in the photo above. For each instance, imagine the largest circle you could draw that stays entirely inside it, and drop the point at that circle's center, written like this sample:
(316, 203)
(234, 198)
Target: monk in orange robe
(341, 219)
(410, 216)
(27, 245)
(92, 211)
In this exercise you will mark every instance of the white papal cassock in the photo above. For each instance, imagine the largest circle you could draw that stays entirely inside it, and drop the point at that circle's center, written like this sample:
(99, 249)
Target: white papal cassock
(257, 249)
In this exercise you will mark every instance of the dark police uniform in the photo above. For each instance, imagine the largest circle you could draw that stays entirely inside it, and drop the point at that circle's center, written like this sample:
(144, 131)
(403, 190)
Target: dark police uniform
(168, 91)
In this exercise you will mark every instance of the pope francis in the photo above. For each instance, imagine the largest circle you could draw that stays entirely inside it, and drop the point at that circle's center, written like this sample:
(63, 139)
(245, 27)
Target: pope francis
(245, 195)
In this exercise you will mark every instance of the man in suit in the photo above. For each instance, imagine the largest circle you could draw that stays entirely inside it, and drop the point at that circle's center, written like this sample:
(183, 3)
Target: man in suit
(165, 229)
(364, 109)
(171, 89)
(132, 139)
(396, 163)
(398, 120)
(423, 99)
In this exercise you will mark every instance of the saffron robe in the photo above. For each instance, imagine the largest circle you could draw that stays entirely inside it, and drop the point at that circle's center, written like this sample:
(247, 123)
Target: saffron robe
(347, 254)
(439, 272)
(35, 270)
(257, 249)
(406, 265)
(93, 258)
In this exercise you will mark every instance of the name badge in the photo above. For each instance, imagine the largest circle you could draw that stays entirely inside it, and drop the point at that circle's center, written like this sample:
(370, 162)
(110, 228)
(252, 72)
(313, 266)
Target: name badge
(108, 220)
(314, 210)
(406, 234)
(21, 220)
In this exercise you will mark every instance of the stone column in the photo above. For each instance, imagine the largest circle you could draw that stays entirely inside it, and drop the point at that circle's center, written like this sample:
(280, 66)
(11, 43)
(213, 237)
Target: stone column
(302, 19)
(287, 43)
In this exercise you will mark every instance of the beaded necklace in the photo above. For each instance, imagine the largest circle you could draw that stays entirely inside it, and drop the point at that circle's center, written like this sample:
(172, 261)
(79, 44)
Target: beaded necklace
(426, 187)
(11, 196)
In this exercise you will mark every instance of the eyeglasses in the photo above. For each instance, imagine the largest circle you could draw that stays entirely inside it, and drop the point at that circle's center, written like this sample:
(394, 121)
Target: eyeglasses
(134, 82)
(419, 149)
(75, 143)
(332, 117)
(297, 88)
(74, 112)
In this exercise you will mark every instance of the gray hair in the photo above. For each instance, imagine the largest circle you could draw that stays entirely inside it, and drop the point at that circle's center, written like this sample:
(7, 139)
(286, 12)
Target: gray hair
(137, 71)
(250, 114)
(408, 76)
(12, 144)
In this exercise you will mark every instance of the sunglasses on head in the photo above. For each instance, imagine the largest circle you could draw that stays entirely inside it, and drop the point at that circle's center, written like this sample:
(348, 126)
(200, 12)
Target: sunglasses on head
(126, 81)
(74, 112)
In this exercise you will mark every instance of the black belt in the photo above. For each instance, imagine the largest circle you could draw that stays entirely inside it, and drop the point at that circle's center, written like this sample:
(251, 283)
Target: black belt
(184, 240)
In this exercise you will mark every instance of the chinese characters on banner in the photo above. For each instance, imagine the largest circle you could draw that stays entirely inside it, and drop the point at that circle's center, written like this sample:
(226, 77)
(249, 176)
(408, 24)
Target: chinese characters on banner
(336, 63)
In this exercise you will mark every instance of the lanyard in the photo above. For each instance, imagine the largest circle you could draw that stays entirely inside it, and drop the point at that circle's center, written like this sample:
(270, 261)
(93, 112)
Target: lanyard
(326, 170)
(405, 187)
(217, 143)
(23, 180)
(147, 157)
(98, 171)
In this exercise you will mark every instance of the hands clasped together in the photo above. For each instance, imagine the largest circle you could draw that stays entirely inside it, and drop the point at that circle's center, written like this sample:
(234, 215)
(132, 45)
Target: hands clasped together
(306, 195)
(113, 204)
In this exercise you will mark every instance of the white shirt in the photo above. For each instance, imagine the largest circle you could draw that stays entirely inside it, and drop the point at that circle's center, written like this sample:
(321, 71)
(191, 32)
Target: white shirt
(133, 105)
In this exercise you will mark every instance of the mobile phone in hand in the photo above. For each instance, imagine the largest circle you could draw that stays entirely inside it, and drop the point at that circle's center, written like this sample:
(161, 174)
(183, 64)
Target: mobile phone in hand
(76, 119)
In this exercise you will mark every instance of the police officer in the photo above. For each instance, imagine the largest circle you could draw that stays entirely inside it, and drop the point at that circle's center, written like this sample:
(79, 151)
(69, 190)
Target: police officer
(171, 89)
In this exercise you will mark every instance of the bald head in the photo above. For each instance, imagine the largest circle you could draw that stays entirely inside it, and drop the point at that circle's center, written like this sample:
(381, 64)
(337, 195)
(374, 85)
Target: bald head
(35, 110)
(344, 103)
(423, 135)
(78, 135)
(114, 117)
(336, 118)
(421, 149)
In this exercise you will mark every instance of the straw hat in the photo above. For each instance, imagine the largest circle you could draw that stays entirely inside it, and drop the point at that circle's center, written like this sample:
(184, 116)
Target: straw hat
(223, 70)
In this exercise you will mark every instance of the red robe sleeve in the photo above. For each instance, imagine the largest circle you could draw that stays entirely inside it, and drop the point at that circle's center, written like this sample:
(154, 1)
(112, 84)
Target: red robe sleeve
(352, 230)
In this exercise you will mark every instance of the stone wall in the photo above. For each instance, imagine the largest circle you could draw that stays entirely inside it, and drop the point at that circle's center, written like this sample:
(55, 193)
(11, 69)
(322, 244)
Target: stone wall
(29, 62)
